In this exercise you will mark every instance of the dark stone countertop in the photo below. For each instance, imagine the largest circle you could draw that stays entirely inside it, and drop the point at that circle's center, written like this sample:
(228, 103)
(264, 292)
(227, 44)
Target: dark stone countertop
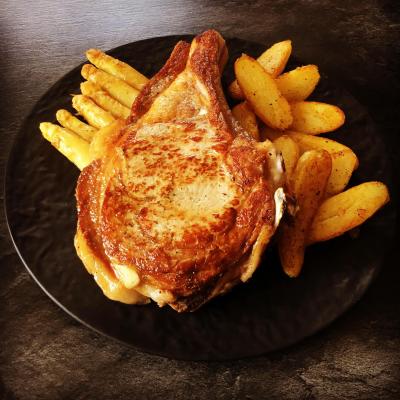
(45, 354)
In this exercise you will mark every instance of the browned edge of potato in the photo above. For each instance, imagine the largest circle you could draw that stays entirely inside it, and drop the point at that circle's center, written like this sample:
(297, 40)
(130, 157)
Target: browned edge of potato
(262, 93)
(307, 186)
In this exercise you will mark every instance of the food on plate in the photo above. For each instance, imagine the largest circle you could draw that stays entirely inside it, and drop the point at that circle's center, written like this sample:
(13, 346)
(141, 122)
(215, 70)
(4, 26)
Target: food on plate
(119, 89)
(104, 100)
(298, 84)
(178, 196)
(273, 60)
(313, 117)
(67, 143)
(94, 114)
(68, 121)
(117, 68)
(344, 160)
(307, 185)
(346, 210)
(262, 93)
(177, 203)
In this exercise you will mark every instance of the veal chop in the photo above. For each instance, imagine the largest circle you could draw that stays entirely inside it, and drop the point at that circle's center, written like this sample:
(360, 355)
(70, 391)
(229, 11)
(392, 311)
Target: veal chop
(179, 205)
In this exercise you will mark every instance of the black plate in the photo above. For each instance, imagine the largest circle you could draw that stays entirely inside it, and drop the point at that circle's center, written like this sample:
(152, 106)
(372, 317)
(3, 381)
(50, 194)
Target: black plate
(270, 312)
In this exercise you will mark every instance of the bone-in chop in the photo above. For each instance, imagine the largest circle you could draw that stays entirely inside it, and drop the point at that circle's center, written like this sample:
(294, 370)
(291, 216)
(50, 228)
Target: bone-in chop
(180, 204)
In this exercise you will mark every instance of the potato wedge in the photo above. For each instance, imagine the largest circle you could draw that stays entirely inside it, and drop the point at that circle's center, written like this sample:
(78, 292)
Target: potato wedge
(314, 118)
(67, 143)
(117, 68)
(93, 114)
(290, 153)
(343, 165)
(247, 119)
(261, 92)
(347, 210)
(344, 161)
(69, 121)
(310, 142)
(308, 186)
(104, 100)
(117, 88)
(273, 60)
(298, 84)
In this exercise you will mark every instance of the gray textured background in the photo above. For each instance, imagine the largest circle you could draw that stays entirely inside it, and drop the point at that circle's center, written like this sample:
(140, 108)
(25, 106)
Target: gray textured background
(44, 354)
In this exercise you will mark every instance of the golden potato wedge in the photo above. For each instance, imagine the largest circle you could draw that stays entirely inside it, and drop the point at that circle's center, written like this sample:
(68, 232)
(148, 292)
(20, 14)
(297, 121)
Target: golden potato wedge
(314, 118)
(344, 161)
(261, 92)
(308, 186)
(290, 153)
(117, 88)
(298, 84)
(347, 210)
(247, 119)
(67, 143)
(68, 121)
(93, 114)
(104, 100)
(117, 68)
(310, 142)
(343, 165)
(273, 60)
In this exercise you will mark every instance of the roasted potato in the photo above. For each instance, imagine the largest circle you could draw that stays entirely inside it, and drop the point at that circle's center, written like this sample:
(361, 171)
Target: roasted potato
(298, 84)
(247, 119)
(347, 210)
(343, 165)
(314, 118)
(308, 186)
(309, 142)
(262, 93)
(273, 60)
(344, 161)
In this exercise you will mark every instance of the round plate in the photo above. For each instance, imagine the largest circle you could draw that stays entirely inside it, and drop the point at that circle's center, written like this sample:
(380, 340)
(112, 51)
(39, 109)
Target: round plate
(268, 313)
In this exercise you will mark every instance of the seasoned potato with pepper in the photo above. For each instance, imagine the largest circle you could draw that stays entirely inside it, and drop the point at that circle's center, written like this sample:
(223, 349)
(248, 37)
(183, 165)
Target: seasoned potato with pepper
(273, 60)
(308, 185)
(298, 84)
(347, 210)
(314, 118)
(261, 91)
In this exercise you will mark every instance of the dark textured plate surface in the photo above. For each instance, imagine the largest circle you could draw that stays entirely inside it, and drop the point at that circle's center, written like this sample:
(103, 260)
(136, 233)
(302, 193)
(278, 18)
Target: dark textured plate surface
(268, 313)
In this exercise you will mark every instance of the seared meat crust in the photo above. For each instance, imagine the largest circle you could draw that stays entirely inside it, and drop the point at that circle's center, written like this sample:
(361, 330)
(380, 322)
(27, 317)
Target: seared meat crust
(178, 200)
